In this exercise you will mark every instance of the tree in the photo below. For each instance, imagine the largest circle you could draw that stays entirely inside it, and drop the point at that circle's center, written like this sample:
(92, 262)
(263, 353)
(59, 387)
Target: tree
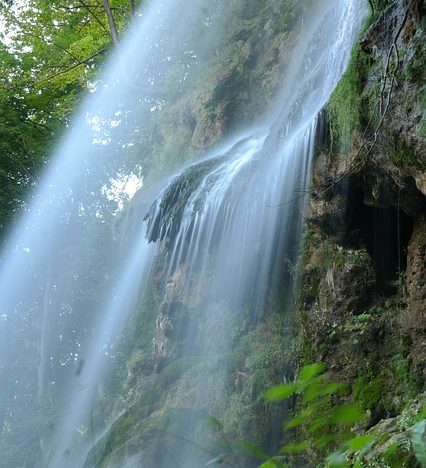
(111, 22)
(50, 54)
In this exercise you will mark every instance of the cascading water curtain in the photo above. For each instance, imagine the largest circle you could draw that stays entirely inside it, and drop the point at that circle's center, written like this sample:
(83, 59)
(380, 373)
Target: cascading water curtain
(217, 248)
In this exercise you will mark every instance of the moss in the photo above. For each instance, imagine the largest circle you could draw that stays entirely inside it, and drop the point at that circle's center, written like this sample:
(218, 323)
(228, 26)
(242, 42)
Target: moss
(392, 439)
(415, 69)
(264, 353)
(369, 391)
(400, 369)
(307, 351)
(423, 128)
(344, 106)
(377, 7)
(404, 156)
(384, 391)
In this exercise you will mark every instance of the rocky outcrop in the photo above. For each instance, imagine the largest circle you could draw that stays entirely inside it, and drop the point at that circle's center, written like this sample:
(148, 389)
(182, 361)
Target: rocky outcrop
(363, 299)
(172, 321)
(166, 214)
(413, 320)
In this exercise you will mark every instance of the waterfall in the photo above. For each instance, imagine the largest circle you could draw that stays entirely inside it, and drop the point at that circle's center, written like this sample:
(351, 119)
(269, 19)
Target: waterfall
(224, 231)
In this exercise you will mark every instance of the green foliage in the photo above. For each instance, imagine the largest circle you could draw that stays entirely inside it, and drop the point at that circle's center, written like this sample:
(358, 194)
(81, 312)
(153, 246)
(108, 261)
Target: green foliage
(327, 425)
(345, 103)
(50, 54)
(418, 440)
(271, 464)
(415, 71)
(377, 7)
(369, 391)
(325, 422)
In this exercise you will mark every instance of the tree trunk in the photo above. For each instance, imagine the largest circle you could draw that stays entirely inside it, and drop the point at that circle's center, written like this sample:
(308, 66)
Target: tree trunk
(111, 22)
(132, 8)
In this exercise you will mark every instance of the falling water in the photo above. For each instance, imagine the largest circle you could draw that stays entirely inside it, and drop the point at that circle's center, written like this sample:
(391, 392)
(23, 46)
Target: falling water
(224, 227)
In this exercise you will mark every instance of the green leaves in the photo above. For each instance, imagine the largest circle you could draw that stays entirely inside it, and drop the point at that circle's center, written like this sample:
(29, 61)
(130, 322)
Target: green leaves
(295, 447)
(215, 424)
(253, 450)
(271, 464)
(281, 392)
(325, 422)
(310, 371)
(418, 439)
(358, 443)
(346, 414)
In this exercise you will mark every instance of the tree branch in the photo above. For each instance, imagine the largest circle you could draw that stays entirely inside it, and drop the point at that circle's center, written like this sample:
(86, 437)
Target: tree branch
(95, 17)
(49, 41)
(97, 7)
(35, 124)
(82, 62)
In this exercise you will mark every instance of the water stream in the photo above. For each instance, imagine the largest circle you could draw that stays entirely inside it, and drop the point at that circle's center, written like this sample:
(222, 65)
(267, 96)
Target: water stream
(226, 231)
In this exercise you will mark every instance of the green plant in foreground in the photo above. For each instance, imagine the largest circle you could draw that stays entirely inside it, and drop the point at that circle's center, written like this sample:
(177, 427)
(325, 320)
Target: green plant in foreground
(325, 430)
(419, 443)
(325, 423)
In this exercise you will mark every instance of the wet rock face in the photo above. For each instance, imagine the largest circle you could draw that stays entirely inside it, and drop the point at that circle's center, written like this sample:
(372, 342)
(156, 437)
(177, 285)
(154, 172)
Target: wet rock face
(341, 282)
(172, 320)
(339, 290)
(413, 321)
(166, 214)
(381, 34)
(363, 299)
(401, 56)
(361, 317)
(416, 269)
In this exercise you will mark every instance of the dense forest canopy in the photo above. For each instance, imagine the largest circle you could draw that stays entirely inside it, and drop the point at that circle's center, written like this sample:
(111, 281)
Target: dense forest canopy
(51, 53)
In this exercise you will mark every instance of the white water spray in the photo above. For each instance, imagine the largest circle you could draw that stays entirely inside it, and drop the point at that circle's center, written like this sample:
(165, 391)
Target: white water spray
(239, 220)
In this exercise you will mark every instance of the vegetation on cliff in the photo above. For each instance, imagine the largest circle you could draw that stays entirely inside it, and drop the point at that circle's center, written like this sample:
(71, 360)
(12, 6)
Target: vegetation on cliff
(362, 311)
(362, 274)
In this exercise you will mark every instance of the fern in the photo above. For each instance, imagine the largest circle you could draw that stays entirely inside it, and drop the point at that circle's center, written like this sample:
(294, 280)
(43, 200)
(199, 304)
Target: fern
(419, 442)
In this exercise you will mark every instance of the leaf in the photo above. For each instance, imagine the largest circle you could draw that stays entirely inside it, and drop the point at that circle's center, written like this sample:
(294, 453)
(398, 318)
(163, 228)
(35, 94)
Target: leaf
(335, 387)
(280, 392)
(215, 423)
(297, 420)
(418, 441)
(271, 464)
(347, 414)
(295, 447)
(311, 370)
(391, 449)
(254, 450)
(357, 443)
